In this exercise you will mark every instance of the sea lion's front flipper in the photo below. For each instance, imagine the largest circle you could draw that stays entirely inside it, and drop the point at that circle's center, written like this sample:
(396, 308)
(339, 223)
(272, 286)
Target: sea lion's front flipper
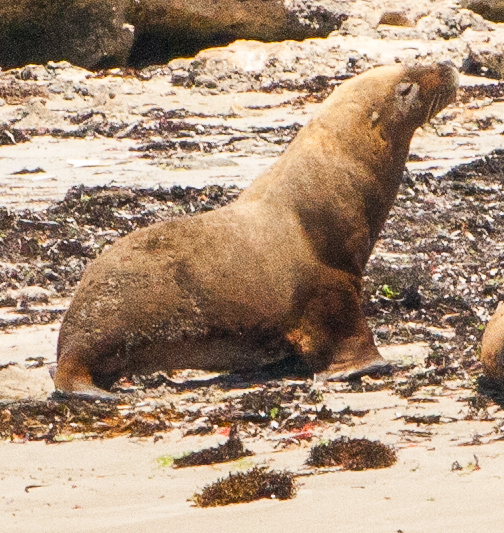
(333, 336)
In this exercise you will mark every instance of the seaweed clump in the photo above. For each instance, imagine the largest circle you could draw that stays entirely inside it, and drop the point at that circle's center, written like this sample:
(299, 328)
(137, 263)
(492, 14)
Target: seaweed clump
(352, 454)
(242, 487)
(231, 450)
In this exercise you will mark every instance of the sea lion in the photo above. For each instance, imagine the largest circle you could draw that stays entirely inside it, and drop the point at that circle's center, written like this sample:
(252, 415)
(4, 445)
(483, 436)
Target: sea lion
(492, 346)
(275, 273)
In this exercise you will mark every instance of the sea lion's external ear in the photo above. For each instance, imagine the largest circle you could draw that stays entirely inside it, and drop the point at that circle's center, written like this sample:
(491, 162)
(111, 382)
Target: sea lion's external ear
(407, 96)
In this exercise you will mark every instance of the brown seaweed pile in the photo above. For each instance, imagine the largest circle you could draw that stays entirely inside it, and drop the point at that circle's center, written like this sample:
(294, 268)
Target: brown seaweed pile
(230, 451)
(352, 454)
(479, 92)
(258, 483)
(51, 248)
(146, 412)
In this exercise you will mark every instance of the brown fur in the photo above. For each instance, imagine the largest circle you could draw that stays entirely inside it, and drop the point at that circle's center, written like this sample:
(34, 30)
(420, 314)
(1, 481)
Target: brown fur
(277, 272)
(492, 347)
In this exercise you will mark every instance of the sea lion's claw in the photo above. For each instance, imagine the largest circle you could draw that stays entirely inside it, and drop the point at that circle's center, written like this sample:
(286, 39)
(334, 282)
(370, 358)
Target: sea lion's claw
(379, 368)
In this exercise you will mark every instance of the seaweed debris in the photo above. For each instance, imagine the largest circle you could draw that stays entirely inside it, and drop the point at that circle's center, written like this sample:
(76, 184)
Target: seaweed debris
(423, 419)
(51, 248)
(480, 92)
(478, 407)
(231, 450)
(242, 487)
(352, 454)
(54, 421)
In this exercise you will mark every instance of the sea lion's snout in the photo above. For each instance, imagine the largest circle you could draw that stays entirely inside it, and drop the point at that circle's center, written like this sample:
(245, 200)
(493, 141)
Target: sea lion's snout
(449, 82)
(437, 86)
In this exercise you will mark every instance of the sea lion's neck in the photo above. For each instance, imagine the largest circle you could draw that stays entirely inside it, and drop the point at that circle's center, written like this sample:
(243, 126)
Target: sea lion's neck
(341, 183)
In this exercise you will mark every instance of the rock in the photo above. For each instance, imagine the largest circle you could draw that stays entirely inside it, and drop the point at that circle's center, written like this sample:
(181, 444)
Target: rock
(406, 354)
(172, 28)
(32, 72)
(443, 333)
(64, 71)
(36, 114)
(311, 64)
(31, 294)
(450, 23)
(111, 33)
(55, 88)
(205, 81)
(181, 77)
(25, 296)
(486, 52)
(364, 18)
(395, 18)
(489, 9)
(89, 33)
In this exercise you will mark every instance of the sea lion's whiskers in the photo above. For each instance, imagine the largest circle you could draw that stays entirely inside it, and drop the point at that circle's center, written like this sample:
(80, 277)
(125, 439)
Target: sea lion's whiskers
(432, 107)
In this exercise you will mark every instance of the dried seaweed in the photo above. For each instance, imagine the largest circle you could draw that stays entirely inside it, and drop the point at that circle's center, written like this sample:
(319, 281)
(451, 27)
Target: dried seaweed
(243, 487)
(479, 92)
(266, 400)
(344, 416)
(405, 390)
(263, 406)
(52, 247)
(14, 91)
(422, 419)
(230, 451)
(352, 454)
(478, 408)
(55, 421)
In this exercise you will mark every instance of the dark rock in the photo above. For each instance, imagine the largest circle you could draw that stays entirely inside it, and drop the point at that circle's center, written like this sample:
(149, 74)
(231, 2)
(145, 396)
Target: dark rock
(180, 77)
(489, 9)
(164, 30)
(88, 33)
(205, 81)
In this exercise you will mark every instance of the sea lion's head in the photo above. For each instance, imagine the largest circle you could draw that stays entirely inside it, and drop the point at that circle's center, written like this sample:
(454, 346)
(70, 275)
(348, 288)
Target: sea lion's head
(414, 96)
(382, 108)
